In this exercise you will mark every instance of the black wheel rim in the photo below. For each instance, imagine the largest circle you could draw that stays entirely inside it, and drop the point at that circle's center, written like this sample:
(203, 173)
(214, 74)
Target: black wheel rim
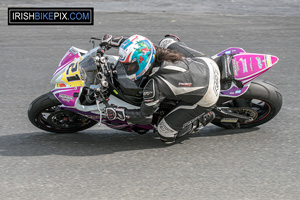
(57, 120)
(262, 107)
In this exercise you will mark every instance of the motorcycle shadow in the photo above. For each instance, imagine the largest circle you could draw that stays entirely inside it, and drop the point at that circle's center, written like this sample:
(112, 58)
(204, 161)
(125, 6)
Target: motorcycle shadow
(93, 142)
(212, 130)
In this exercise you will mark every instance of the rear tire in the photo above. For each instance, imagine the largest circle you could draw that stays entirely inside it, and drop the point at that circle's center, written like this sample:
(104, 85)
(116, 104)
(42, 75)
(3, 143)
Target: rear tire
(261, 96)
(44, 113)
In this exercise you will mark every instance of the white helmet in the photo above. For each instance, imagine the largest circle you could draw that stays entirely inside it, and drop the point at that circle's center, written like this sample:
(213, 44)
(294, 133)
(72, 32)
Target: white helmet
(136, 54)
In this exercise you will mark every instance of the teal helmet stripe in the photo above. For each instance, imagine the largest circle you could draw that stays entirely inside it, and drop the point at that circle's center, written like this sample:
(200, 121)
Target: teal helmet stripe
(146, 64)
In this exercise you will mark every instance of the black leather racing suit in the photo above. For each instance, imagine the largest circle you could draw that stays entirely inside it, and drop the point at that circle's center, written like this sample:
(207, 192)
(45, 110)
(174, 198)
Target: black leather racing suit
(194, 82)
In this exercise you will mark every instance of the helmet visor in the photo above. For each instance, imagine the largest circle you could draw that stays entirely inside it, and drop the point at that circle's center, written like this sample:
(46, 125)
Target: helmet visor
(131, 68)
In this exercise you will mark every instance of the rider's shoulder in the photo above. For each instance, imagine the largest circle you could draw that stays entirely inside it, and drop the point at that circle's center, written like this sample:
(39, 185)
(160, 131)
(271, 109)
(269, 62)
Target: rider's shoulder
(167, 67)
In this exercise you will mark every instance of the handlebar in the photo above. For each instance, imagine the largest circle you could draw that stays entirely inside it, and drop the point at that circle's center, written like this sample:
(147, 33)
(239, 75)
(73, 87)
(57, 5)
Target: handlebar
(102, 50)
(106, 73)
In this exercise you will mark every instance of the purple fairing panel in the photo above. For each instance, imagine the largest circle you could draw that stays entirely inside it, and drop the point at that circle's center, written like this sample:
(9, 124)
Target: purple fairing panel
(232, 50)
(67, 59)
(66, 95)
(115, 124)
(234, 91)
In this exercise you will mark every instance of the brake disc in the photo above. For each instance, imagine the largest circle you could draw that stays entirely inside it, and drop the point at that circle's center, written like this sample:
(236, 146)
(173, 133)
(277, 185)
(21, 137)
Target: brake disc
(56, 119)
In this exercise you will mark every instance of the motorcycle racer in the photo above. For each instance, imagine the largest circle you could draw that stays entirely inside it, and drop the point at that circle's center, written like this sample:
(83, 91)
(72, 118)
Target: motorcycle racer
(176, 72)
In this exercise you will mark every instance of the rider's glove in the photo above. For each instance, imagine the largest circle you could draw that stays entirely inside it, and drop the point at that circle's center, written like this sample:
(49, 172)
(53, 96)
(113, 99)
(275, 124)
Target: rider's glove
(113, 113)
(111, 41)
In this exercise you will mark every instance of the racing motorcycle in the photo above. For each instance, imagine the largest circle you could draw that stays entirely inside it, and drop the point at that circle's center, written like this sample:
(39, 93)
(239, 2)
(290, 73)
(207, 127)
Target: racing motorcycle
(86, 82)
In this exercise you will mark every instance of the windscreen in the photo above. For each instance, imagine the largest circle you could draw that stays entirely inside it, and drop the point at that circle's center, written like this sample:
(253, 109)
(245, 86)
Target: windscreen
(88, 65)
(88, 61)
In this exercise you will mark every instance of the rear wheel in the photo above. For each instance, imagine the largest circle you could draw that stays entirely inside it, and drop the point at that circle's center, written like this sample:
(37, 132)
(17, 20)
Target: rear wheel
(261, 102)
(45, 113)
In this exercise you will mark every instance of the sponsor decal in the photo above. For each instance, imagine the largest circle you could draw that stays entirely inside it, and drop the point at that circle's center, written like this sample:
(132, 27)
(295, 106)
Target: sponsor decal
(235, 67)
(259, 63)
(185, 84)
(216, 87)
(244, 63)
(251, 68)
(147, 93)
(51, 16)
(65, 97)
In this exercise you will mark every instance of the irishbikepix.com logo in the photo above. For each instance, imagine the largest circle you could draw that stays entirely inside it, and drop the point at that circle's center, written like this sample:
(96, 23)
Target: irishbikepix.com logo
(50, 16)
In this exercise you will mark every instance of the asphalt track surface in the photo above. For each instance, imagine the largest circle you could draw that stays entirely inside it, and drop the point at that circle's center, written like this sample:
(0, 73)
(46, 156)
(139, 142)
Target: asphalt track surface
(258, 163)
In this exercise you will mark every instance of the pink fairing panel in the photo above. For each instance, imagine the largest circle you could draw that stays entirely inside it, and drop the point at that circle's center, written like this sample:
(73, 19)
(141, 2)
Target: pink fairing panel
(67, 96)
(69, 57)
(247, 66)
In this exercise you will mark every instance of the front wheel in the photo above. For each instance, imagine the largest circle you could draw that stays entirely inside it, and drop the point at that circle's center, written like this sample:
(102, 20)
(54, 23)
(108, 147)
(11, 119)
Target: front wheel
(45, 113)
(261, 102)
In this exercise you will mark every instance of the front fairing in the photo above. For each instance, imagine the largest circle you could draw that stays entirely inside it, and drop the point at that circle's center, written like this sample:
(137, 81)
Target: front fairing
(72, 54)
(72, 74)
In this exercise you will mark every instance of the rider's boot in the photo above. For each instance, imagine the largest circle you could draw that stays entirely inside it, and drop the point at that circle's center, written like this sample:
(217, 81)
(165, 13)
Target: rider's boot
(168, 40)
(207, 118)
(168, 140)
(203, 121)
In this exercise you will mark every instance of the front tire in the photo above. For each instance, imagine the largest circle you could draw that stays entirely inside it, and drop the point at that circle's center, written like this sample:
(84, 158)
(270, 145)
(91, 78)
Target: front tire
(262, 97)
(45, 113)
